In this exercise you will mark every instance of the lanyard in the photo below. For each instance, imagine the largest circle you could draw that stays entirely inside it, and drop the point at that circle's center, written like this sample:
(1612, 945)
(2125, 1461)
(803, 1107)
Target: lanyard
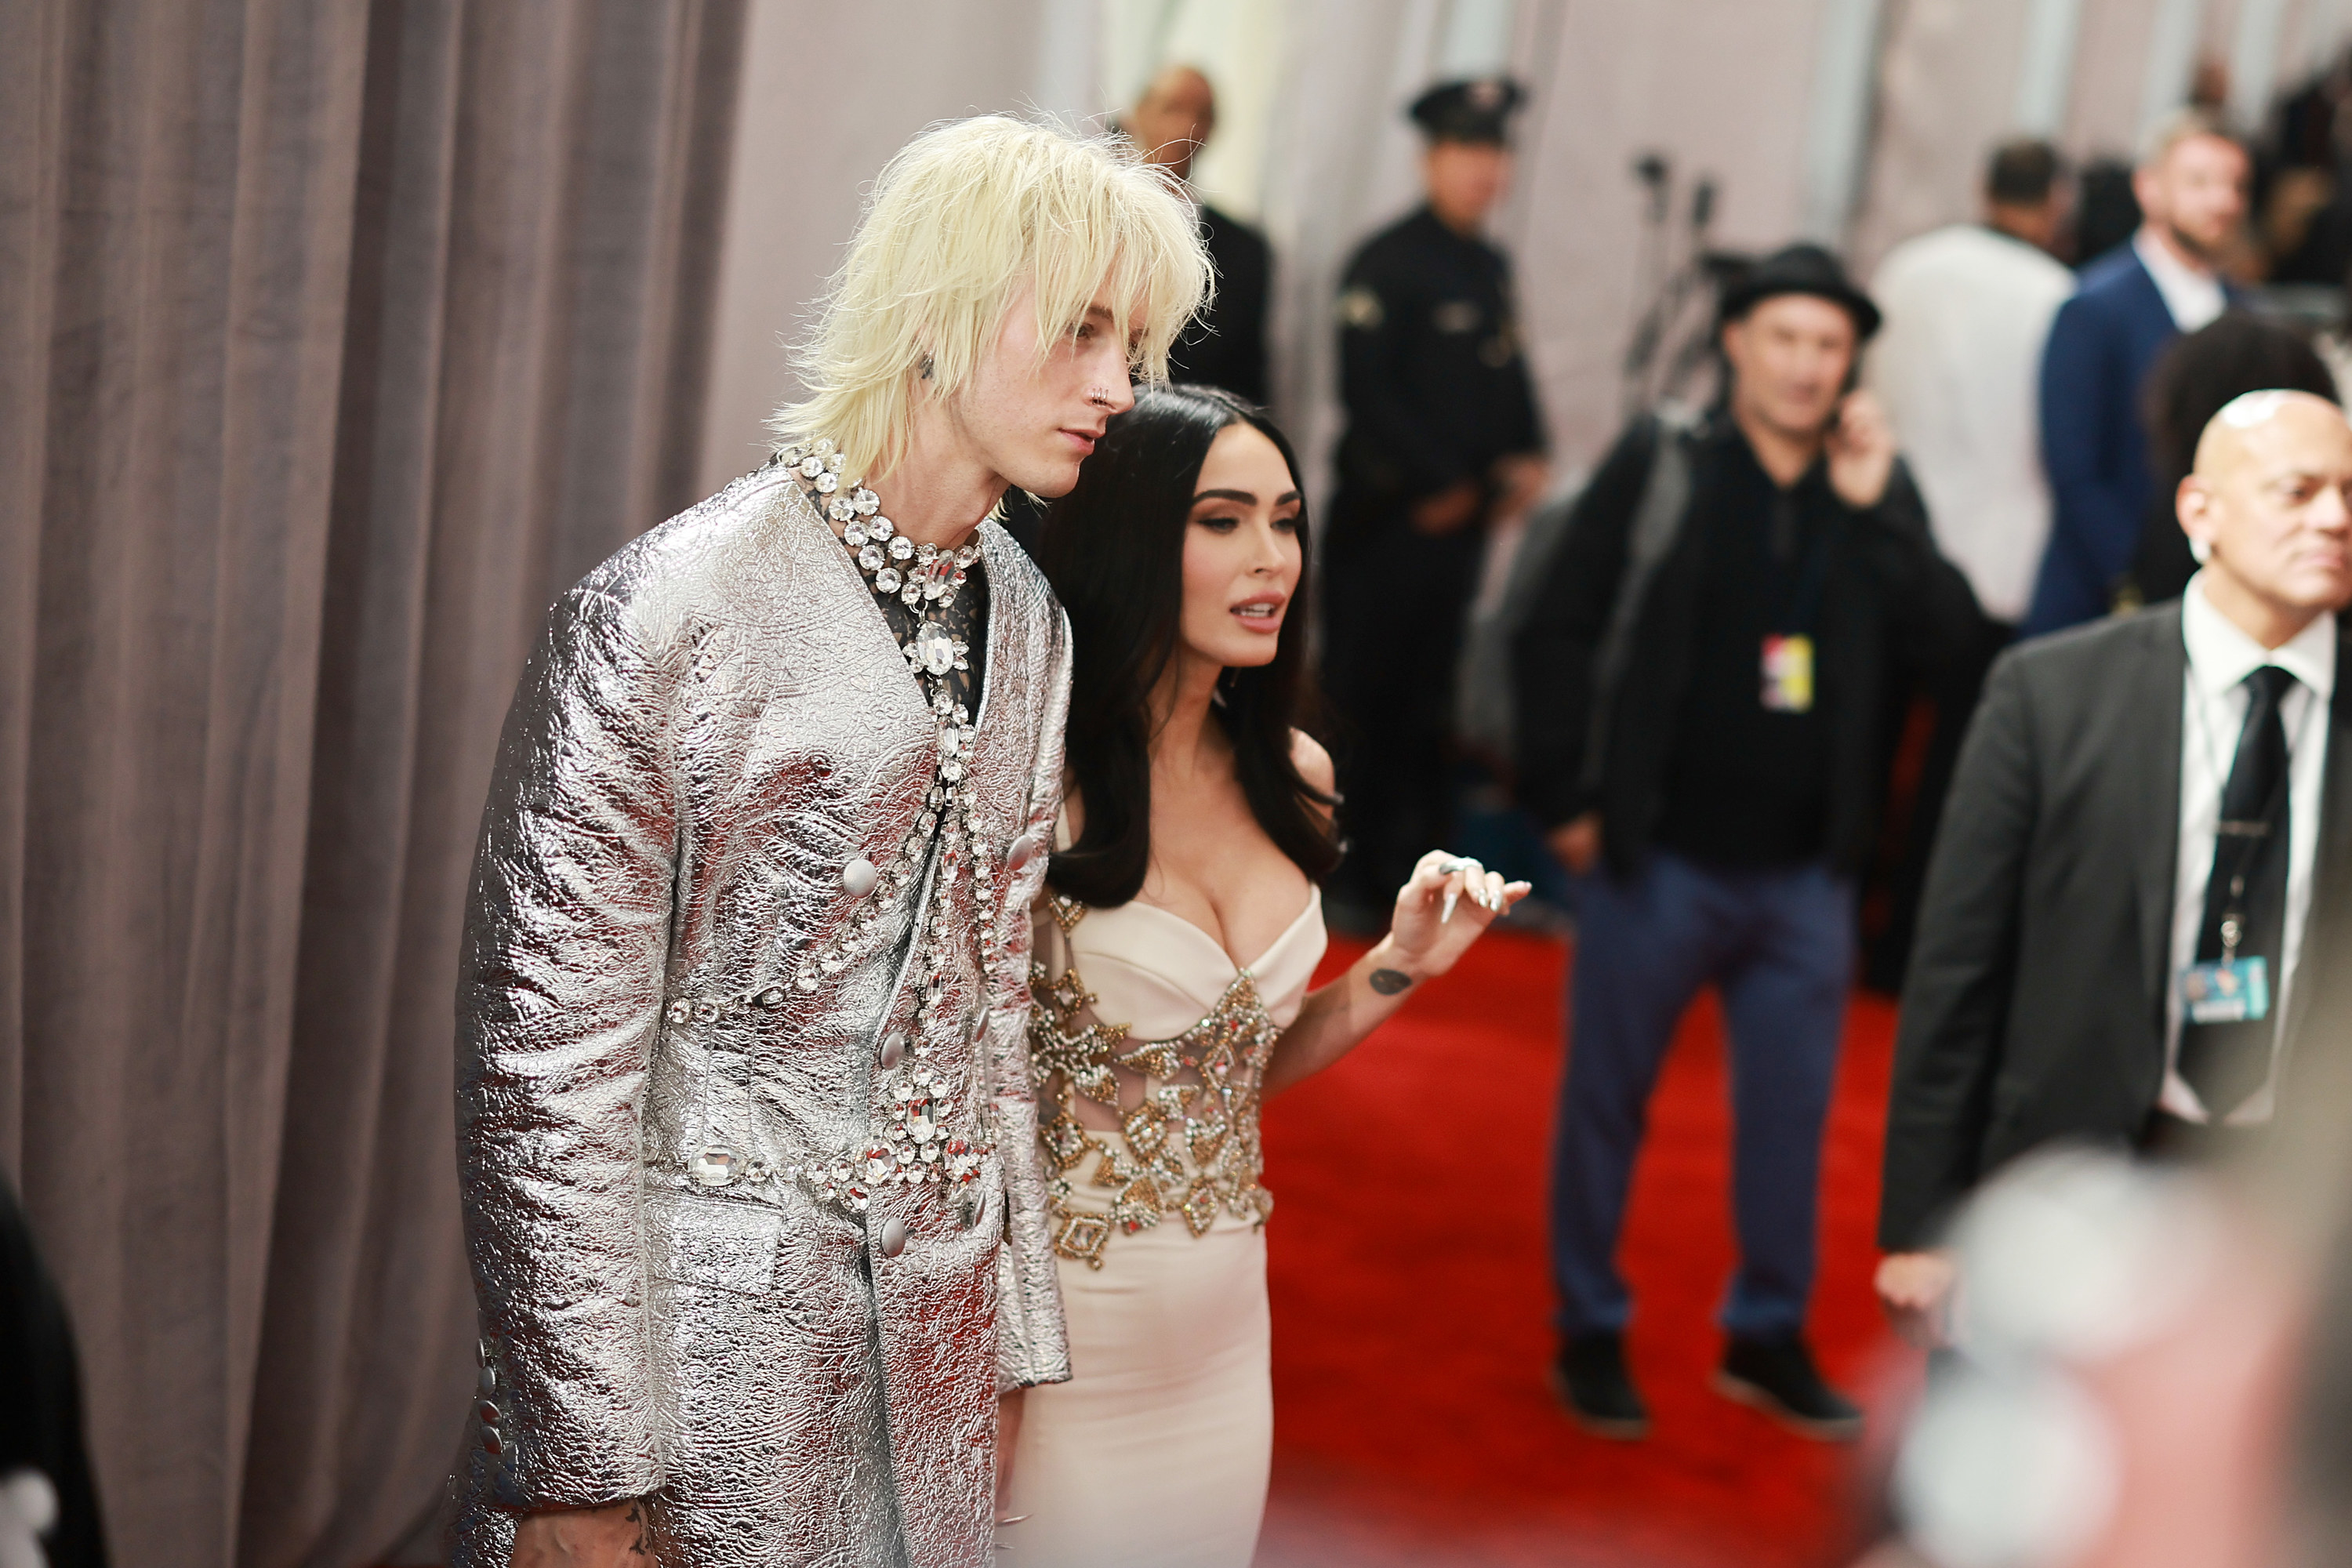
(1803, 597)
(2248, 837)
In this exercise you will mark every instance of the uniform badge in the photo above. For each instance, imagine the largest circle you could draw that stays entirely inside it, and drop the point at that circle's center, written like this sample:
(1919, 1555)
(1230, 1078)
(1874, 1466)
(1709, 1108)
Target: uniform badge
(1359, 309)
(1457, 316)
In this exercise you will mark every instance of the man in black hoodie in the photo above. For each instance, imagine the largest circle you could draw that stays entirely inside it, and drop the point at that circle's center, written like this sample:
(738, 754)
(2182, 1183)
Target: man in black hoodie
(1699, 693)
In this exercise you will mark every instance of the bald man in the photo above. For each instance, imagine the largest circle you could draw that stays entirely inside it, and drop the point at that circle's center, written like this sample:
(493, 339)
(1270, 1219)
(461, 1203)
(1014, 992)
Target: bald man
(1226, 346)
(2128, 923)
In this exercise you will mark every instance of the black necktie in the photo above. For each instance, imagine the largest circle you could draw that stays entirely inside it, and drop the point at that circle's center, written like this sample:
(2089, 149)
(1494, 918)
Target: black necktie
(2225, 1063)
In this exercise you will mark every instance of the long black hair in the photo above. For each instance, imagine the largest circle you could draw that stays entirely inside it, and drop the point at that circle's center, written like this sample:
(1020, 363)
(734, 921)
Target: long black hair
(1114, 549)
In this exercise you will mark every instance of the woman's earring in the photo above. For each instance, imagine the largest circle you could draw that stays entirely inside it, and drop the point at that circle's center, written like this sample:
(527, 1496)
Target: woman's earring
(923, 367)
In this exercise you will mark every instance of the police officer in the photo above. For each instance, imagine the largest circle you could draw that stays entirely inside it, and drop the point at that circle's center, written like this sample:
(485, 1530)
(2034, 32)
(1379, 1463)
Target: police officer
(1443, 441)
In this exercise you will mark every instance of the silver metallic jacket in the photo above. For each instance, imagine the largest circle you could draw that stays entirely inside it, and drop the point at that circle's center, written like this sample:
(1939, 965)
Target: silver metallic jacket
(714, 745)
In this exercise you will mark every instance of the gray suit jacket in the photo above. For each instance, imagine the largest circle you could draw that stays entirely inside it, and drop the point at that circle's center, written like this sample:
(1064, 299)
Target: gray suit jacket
(674, 1001)
(2035, 1008)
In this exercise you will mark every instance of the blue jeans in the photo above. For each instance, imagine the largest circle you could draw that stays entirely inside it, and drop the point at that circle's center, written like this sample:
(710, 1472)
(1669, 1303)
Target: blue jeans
(1778, 945)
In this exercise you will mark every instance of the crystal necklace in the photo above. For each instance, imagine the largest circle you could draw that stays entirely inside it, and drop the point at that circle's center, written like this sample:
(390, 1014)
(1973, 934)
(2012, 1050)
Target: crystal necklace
(922, 577)
(915, 1101)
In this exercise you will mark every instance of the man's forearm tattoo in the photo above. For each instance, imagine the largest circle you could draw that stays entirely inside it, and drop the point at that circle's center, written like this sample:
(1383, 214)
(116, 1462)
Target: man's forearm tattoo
(1389, 982)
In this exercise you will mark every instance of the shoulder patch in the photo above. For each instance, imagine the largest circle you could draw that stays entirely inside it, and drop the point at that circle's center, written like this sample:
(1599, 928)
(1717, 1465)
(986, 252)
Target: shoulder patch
(1359, 309)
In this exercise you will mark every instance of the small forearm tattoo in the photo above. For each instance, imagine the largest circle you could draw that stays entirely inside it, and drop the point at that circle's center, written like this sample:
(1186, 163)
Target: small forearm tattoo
(1389, 982)
(643, 1547)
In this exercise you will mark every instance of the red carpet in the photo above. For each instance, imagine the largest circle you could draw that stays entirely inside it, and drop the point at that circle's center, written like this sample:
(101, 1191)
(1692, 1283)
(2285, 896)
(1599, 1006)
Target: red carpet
(1412, 1305)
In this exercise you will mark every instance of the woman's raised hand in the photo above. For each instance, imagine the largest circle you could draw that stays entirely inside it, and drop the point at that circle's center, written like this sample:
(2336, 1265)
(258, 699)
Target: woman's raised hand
(1444, 906)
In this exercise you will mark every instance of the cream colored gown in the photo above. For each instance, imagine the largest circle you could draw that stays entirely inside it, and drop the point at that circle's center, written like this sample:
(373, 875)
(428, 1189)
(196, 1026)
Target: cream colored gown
(1150, 1048)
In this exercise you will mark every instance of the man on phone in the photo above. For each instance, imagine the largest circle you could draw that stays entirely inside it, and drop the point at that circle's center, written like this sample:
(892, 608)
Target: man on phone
(1700, 691)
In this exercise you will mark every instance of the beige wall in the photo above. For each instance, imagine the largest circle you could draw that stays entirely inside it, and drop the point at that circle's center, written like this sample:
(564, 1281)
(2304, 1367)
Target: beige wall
(1722, 87)
(1947, 89)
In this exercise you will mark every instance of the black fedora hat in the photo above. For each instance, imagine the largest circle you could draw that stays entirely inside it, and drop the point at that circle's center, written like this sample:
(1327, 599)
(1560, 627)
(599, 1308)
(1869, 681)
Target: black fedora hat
(1801, 270)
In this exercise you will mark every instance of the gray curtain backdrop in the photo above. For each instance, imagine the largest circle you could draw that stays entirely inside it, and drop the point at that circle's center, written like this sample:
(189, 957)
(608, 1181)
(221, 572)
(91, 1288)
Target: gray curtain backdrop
(336, 337)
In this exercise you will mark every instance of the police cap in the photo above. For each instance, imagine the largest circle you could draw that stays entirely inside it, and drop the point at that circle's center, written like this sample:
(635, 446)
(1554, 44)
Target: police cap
(1477, 110)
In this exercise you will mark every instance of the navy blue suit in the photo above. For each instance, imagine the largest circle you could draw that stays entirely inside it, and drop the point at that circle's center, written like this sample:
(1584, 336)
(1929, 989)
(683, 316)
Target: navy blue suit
(2092, 442)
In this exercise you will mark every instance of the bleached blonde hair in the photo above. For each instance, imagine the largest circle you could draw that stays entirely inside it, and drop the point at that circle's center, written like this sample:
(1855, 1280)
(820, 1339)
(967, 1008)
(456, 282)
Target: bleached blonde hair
(960, 220)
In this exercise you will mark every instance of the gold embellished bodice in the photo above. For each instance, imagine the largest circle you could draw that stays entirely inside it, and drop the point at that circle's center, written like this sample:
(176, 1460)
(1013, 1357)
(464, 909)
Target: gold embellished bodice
(1185, 1143)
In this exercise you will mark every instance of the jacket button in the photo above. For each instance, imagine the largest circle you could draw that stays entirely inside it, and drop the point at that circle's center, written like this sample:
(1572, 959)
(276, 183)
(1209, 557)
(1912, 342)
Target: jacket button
(774, 997)
(893, 1049)
(489, 1411)
(489, 1379)
(858, 877)
(894, 1238)
(1024, 850)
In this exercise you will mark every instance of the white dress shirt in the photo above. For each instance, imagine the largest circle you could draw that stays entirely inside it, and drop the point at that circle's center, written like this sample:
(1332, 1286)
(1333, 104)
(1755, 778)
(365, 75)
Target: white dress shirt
(2193, 295)
(1958, 366)
(2212, 712)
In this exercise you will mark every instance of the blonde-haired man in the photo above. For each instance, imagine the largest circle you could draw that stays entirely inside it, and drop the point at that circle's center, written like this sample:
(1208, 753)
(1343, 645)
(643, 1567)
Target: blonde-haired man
(745, 1136)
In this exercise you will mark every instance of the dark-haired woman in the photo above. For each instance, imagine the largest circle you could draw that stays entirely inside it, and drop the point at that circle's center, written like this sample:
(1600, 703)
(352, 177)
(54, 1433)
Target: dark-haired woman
(1179, 927)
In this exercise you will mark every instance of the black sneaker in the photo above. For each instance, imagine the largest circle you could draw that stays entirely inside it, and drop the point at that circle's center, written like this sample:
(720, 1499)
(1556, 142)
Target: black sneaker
(1590, 1378)
(1777, 1377)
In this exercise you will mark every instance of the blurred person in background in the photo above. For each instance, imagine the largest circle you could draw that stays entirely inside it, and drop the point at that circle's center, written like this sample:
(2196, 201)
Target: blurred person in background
(2191, 190)
(2130, 916)
(1225, 344)
(1956, 366)
(1443, 442)
(2306, 208)
(2106, 213)
(1179, 932)
(747, 1146)
(2195, 377)
(1701, 692)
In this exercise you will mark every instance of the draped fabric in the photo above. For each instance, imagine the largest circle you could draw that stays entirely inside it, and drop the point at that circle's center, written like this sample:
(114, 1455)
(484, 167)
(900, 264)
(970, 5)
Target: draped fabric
(335, 338)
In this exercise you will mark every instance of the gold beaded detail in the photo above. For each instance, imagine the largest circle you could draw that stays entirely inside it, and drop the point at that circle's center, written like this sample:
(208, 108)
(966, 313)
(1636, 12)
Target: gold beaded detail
(1189, 1149)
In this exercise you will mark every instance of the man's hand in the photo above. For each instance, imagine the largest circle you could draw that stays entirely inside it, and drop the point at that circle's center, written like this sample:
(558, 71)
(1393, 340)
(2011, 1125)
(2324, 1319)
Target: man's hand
(1577, 845)
(1861, 448)
(618, 1536)
(1521, 481)
(1449, 510)
(1916, 1288)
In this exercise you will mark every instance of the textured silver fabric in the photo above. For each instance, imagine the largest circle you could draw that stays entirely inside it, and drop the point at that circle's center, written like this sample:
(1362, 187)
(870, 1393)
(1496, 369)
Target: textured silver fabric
(716, 724)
